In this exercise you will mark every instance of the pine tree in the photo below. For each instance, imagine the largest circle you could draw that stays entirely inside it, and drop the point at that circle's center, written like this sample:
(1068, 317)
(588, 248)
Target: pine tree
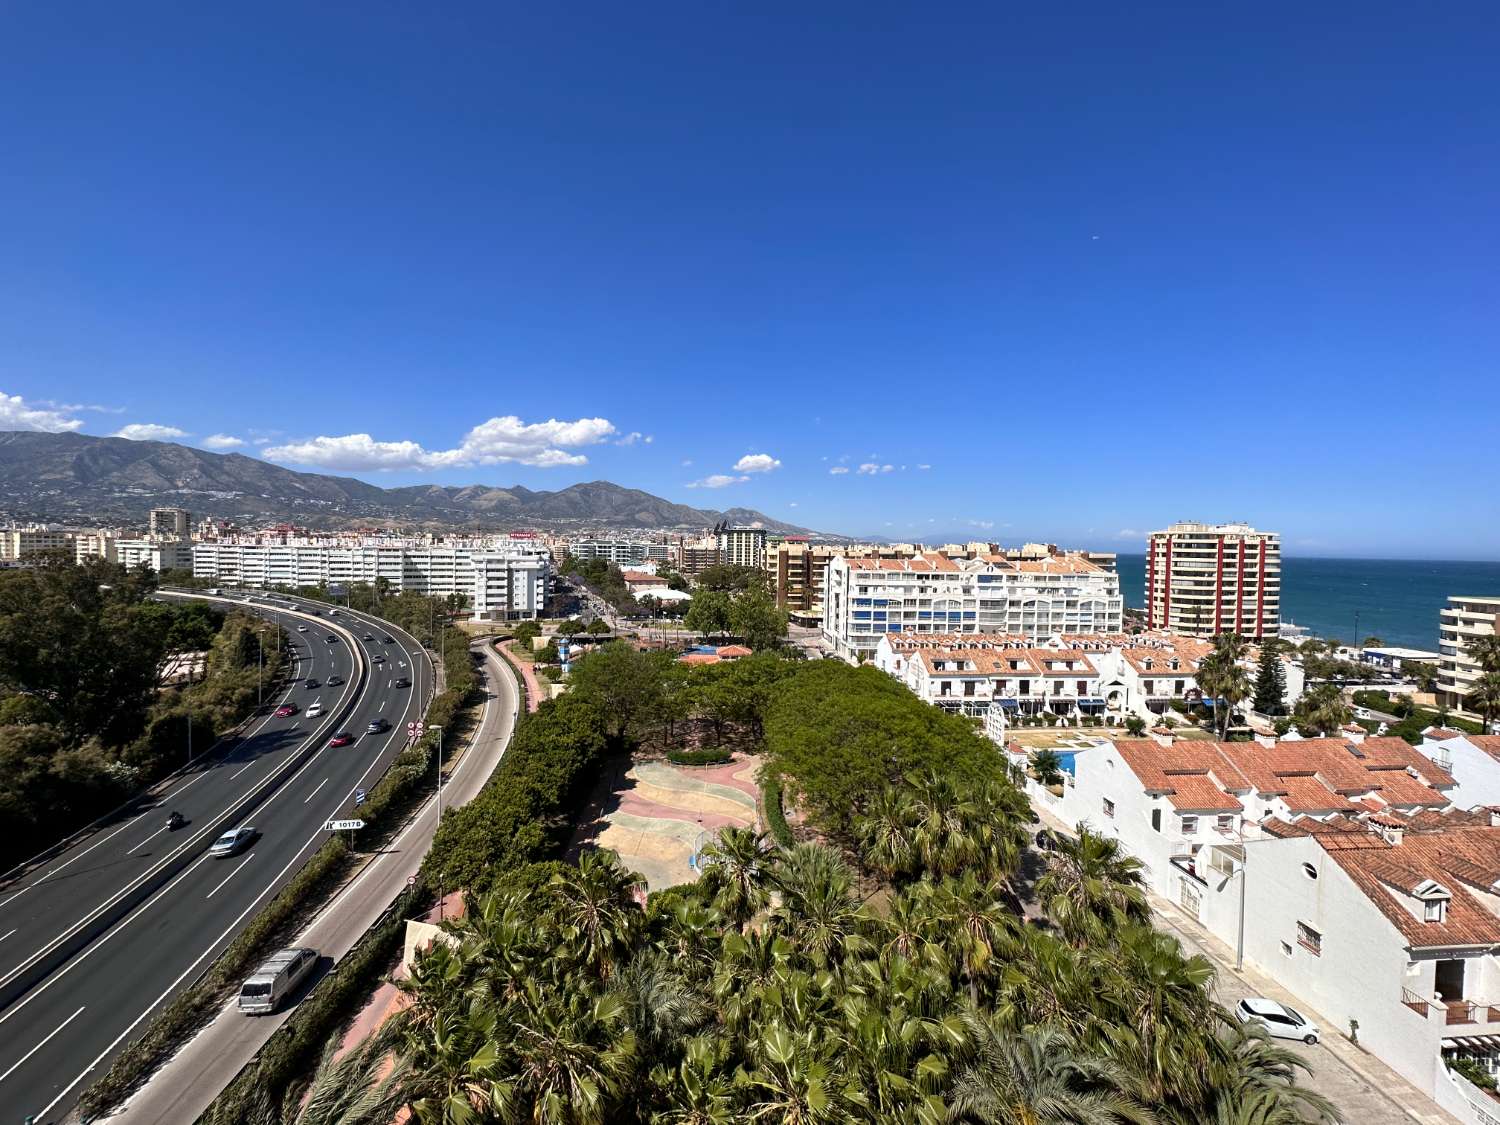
(1270, 681)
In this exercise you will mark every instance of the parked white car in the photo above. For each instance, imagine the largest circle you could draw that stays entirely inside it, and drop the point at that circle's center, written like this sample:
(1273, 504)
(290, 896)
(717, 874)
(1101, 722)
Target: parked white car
(1279, 1020)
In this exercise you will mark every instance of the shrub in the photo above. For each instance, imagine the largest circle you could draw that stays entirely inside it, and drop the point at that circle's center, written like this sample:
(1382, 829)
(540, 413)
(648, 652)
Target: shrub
(776, 823)
(1473, 1071)
(708, 757)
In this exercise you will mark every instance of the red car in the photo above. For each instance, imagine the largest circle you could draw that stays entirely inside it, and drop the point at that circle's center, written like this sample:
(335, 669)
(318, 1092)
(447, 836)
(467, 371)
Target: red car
(286, 709)
(343, 738)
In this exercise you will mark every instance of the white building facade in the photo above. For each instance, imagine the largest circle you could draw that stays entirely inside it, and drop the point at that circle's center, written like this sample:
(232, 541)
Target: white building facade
(866, 598)
(1461, 622)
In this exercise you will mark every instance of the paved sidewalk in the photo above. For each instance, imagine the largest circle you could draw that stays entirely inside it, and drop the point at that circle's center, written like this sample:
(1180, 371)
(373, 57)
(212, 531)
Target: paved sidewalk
(185, 1086)
(1366, 1090)
(534, 691)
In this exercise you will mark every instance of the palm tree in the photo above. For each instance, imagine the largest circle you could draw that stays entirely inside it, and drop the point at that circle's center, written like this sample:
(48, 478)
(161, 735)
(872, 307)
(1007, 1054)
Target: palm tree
(1485, 651)
(1091, 882)
(1321, 710)
(698, 1091)
(364, 1087)
(978, 920)
(660, 1005)
(884, 832)
(455, 1065)
(736, 873)
(595, 909)
(1255, 1083)
(1483, 697)
(818, 907)
(569, 1059)
(1038, 1077)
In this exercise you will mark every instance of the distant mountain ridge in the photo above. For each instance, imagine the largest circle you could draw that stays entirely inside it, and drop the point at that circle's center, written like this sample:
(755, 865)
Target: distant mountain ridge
(79, 478)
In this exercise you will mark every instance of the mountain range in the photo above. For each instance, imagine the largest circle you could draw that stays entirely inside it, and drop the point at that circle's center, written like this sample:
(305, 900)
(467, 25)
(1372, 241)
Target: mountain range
(72, 478)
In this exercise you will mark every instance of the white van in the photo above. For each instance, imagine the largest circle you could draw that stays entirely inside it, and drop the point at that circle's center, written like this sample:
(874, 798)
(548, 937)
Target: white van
(316, 709)
(270, 984)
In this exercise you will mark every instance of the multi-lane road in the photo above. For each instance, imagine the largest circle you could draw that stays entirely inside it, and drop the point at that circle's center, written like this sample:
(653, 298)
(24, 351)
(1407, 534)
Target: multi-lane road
(96, 938)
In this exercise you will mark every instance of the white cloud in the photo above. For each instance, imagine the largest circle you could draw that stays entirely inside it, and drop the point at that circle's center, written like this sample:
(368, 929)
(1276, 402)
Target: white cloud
(17, 414)
(870, 468)
(717, 480)
(791, 503)
(687, 463)
(635, 436)
(76, 407)
(924, 468)
(837, 471)
(503, 440)
(985, 524)
(223, 441)
(149, 431)
(756, 463)
(1130, 533)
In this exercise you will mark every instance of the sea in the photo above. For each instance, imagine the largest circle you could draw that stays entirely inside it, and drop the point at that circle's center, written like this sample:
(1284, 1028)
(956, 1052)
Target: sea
(1396, 600)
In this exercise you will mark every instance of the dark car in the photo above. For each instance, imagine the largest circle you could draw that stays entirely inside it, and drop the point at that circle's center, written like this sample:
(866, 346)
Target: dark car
(378, 658)
(286, 709)
(312, 682)
(314, 612)
(379, 726)
(331, 639)
(335, 680)
(369, 637)
(403, 682)
(343, 738)
(387, 640)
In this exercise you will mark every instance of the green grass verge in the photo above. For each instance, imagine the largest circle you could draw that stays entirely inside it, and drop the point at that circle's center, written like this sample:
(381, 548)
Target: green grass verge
(700, 757)
(776, 823)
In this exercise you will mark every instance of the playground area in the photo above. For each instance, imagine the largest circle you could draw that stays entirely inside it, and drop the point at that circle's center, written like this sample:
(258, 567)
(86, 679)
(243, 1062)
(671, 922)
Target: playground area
(656, 816)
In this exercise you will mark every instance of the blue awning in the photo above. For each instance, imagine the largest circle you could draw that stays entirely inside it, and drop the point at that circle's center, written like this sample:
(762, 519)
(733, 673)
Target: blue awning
(1090, 702)
(1012, 703)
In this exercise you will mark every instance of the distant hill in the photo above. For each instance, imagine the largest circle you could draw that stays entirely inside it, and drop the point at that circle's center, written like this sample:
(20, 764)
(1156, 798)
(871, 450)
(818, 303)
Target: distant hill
(77, 478)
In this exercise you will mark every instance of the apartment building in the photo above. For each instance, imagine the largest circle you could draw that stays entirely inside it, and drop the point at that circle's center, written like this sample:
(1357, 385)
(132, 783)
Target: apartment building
(741, 546)
(170, 523)
(621, 552)
(501, 578)
(1462, 621)
(696, 555)
(933, 593)
(1206, 579)
(18, 542)
(797, 568)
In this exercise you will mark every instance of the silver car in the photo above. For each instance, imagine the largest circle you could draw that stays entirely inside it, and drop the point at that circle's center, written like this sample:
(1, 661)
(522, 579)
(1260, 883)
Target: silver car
(232, 842)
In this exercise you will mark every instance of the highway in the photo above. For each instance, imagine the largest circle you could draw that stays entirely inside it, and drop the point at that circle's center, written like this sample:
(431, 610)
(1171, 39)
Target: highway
(96, 938)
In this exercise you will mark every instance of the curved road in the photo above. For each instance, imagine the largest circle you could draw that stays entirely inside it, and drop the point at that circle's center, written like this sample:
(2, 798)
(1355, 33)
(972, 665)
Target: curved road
(102, 934)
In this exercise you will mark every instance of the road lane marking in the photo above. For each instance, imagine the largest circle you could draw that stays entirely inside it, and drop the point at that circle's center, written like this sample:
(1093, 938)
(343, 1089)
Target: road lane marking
(382, 704)
(6, 935)
(146, 841)
(314, 793)
(230, 876)
(16, 1065)
(246, 766)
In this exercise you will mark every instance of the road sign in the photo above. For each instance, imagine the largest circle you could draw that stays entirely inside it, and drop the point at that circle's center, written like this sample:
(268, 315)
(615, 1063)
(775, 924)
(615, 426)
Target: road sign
(359, 797)
(343, 825)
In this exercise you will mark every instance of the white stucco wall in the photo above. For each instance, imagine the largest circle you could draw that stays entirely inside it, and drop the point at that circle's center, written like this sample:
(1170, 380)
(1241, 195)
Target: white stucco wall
(1477, 774)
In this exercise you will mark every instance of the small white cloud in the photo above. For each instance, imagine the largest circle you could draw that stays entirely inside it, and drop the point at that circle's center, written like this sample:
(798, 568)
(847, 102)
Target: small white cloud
(870, 468)
(149, 431)
(791, 503)
(635, 436)
(838, 471)
(756, 463)
(717, 480)
(687, 463)
(1130, 533)
(923, 468)
(17, 414)
(649, 438)
(984, 524)
(223, 441)
(77, 407)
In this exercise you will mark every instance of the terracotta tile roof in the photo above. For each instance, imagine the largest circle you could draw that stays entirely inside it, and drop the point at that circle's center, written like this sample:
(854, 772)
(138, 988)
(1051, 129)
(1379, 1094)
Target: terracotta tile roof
(698, 658)
(1442, 734)
(733, 650)
(1397, 787)
(923, 564)
(1489, 743)
(1454, 858)
(1308, 795)
(1197, 792)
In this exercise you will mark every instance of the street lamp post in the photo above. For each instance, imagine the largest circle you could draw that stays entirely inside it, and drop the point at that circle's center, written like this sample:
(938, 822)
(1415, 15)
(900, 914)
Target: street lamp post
(439, 771)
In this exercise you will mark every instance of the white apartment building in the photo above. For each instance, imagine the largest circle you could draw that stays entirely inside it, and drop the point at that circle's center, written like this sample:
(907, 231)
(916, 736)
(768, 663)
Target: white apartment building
(866, 598)
(620, 552)
(502, 578)
(741, 546)
(1206, 579)
(1463, 620)
(1365, 892)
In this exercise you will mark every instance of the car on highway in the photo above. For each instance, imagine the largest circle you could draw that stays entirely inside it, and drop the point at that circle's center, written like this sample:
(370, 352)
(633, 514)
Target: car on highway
(402, 682)
(343, 738)
(316, 709)
(378, 658)
(233, 842)
(1281, 1021)
(312, 682)
(301, 628)
(379, 726)
(387, 640)
(370, 637)
(286, 709)
(266, 988)
(335, 680)
(314, 612)
(331, 639)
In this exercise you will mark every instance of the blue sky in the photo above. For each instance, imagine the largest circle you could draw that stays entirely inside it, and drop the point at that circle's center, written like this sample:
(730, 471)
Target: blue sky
(1062, 272)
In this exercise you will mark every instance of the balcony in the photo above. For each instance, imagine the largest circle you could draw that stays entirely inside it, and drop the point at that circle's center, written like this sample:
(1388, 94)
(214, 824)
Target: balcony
(1461, 1012)
(1189, 867)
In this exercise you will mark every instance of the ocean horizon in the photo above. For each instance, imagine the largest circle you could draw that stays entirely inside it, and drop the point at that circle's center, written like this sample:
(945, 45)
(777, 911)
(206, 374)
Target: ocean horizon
(1397, 600)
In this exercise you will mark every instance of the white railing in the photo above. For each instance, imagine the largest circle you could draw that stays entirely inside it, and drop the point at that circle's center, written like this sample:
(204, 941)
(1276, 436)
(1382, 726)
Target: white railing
(1464, 1100)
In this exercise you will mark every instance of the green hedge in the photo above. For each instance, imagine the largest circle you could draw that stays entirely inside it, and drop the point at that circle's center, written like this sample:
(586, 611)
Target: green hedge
(709, 757)
(776, 823)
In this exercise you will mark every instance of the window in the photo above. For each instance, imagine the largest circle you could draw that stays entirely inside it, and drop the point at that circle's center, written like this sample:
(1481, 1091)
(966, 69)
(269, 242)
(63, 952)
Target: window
(1189, 825)
(1310, 871)
(1083, 687)
(1225, 822)
(1434, 910)
(1309, 939)
(1286, 950)
(1156, 819)
(1109, 807)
